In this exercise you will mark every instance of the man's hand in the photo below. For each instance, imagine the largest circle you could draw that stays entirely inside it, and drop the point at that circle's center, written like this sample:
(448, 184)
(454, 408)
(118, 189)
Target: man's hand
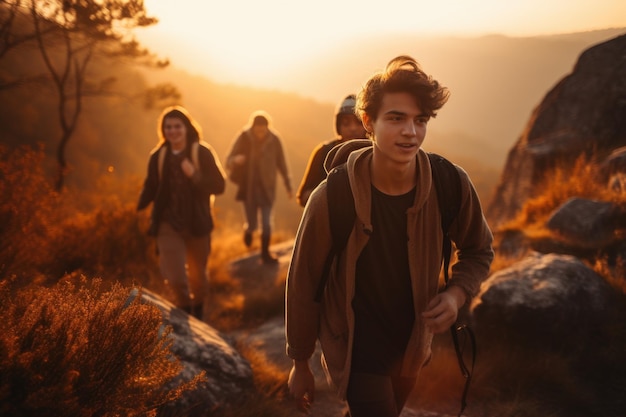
(301, 385)
(443, 310)
(239, 159)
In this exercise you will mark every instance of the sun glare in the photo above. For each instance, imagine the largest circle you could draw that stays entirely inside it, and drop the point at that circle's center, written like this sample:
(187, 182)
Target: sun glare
(246, 41)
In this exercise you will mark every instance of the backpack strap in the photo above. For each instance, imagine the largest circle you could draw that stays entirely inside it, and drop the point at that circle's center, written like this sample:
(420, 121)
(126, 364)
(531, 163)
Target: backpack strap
(341, 215)
(195, 159)
(161, 160)
(341, 211)
(448, 184)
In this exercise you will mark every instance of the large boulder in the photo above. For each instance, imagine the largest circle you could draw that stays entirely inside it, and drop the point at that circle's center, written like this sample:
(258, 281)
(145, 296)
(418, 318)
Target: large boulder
(543, 302)
(555, 328)
(588, 229)
(200, 347)
(582, 115)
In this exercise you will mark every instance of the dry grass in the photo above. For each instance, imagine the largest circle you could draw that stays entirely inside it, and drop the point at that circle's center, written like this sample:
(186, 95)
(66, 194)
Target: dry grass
(559, 185)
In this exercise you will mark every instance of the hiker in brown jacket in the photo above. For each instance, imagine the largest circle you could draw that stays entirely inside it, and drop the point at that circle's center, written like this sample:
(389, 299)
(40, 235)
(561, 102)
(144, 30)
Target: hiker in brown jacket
(253, 162)
(382, 302)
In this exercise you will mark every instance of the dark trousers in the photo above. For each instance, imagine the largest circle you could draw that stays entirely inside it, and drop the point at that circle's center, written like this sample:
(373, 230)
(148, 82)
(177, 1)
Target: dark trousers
(371, 395)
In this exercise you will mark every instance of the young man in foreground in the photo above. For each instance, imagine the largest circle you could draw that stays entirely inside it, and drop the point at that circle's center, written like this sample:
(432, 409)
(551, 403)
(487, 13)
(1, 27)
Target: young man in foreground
(382, 302)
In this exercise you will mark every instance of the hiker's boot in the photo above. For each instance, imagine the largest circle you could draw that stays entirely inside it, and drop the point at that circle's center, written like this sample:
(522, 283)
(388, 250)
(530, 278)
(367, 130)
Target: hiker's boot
(247, 238)
(266, 256)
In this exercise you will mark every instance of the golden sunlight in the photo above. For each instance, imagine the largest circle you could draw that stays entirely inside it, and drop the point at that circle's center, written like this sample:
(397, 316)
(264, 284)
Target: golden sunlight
(245, 41)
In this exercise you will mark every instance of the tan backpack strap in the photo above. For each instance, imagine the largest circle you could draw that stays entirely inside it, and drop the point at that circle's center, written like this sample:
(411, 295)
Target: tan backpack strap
(194, 154)
(162, 153)
(195, 159)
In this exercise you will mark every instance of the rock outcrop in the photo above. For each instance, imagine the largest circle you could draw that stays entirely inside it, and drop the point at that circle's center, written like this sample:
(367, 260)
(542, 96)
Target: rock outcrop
(543, 302)
(200, 347)
(560, 326)
(585, 113)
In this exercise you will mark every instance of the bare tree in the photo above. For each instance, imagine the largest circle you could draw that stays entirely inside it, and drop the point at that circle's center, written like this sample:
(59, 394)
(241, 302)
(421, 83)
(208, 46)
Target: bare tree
(69, 35)
(15, 32)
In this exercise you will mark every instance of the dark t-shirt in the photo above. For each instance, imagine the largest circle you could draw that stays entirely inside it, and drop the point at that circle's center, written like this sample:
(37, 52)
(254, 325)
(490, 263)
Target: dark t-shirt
(383, 301)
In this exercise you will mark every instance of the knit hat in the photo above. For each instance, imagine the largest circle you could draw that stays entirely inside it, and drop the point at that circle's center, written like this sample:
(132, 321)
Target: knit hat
(346, 106)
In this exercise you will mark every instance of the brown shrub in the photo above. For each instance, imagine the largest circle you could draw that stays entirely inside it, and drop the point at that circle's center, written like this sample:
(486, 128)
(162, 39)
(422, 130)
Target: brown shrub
(81, 350)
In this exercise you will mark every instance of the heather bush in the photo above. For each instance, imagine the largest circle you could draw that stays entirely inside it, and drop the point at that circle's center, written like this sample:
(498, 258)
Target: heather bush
(45, 235)
(80, 349)
(29, 212)
(109, 243)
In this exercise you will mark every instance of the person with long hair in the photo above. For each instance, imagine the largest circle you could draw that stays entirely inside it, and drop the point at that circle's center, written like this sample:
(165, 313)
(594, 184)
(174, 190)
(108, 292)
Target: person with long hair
(184, 175)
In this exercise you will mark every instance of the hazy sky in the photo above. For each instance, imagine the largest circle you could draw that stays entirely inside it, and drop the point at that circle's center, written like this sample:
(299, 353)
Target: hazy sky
(243, 41)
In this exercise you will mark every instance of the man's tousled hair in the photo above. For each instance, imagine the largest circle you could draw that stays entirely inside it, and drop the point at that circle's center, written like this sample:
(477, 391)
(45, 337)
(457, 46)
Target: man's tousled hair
(401, 75)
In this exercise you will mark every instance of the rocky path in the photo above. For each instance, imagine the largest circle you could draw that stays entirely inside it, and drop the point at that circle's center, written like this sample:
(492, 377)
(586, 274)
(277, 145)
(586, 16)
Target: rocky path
(269, 337)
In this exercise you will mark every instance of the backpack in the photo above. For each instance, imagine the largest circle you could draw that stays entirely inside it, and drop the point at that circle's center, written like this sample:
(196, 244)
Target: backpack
(342, 213)
(238, 173)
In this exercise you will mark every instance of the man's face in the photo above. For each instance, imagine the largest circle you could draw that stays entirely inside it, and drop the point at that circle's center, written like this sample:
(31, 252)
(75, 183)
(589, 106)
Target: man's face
(260, 131)
(350, 127)
(399, 129)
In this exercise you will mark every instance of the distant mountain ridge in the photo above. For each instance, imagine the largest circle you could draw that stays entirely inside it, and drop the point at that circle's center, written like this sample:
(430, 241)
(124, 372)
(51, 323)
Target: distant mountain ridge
(495, 80)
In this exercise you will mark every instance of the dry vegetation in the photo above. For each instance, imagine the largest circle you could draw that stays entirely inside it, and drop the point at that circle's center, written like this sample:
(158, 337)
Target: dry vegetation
(77, 349)
(71, 347)
(560, 184)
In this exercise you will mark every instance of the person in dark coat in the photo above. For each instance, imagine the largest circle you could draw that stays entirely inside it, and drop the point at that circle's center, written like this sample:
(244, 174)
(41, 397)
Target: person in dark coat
(184, 175)
(347, 126)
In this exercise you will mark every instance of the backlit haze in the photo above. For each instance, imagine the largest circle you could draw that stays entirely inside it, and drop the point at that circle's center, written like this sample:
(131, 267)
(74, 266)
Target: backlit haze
(255, 43)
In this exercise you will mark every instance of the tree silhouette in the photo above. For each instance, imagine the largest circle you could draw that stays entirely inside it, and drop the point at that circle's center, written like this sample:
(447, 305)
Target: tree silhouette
(70, 36)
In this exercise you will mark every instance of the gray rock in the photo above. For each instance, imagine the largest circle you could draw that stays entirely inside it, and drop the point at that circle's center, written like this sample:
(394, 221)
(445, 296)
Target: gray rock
(199, 347)
(545, 302)
(590, 223)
